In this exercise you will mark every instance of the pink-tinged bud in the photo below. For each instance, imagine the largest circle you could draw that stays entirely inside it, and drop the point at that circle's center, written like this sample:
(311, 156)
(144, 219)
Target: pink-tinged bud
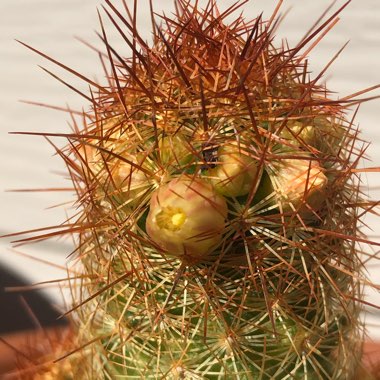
(120, 177)
(187, 217)
(130, 180)
(235, 172)
(299, 184)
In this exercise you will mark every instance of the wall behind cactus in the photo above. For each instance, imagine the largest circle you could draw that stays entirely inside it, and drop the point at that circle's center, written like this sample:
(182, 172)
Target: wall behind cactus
(27, 162)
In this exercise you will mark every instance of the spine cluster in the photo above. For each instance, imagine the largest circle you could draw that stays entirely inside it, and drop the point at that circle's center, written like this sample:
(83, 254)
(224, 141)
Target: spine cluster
(219, 207)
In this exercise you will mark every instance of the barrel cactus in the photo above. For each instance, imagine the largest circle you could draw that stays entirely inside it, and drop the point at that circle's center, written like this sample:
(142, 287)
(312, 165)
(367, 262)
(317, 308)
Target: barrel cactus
(219, 208)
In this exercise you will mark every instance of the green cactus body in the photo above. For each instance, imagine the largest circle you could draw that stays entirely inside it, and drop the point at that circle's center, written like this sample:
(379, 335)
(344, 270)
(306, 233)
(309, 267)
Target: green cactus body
(219, 207)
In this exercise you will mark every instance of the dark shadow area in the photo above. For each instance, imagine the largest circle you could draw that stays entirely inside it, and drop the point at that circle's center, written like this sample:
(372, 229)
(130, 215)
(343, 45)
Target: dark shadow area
(23, 310)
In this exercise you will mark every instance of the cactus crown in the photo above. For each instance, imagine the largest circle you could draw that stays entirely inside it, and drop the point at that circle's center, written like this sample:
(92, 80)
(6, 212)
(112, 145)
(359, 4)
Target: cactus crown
(219, 224)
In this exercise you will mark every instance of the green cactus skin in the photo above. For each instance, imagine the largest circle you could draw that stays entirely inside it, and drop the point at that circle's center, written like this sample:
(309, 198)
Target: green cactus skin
(219, 225)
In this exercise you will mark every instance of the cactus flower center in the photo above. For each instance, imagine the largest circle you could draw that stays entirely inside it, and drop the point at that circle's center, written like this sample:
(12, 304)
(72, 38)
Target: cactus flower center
(171, 218)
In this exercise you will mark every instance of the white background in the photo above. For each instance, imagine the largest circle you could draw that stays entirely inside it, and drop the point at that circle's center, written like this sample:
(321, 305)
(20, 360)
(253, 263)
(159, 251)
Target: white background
(50, 26)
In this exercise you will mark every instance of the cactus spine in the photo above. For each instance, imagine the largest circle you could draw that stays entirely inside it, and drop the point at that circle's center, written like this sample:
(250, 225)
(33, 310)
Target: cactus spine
(219, 225)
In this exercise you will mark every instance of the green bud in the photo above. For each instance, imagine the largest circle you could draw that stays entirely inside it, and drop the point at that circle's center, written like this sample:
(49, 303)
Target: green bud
(174, 150)
(235, 171)
(299, 132)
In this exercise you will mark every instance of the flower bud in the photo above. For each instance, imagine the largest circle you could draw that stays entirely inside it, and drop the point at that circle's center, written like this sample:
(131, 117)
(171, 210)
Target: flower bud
(299, 132)
(299, 184)
(187, 217)
(174, 150)
(235, 171)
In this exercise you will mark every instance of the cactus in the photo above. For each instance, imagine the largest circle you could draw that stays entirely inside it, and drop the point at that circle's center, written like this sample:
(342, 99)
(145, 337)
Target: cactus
(219, 207)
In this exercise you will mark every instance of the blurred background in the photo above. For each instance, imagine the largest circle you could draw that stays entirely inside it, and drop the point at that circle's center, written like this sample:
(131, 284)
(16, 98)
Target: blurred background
(56, 28)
